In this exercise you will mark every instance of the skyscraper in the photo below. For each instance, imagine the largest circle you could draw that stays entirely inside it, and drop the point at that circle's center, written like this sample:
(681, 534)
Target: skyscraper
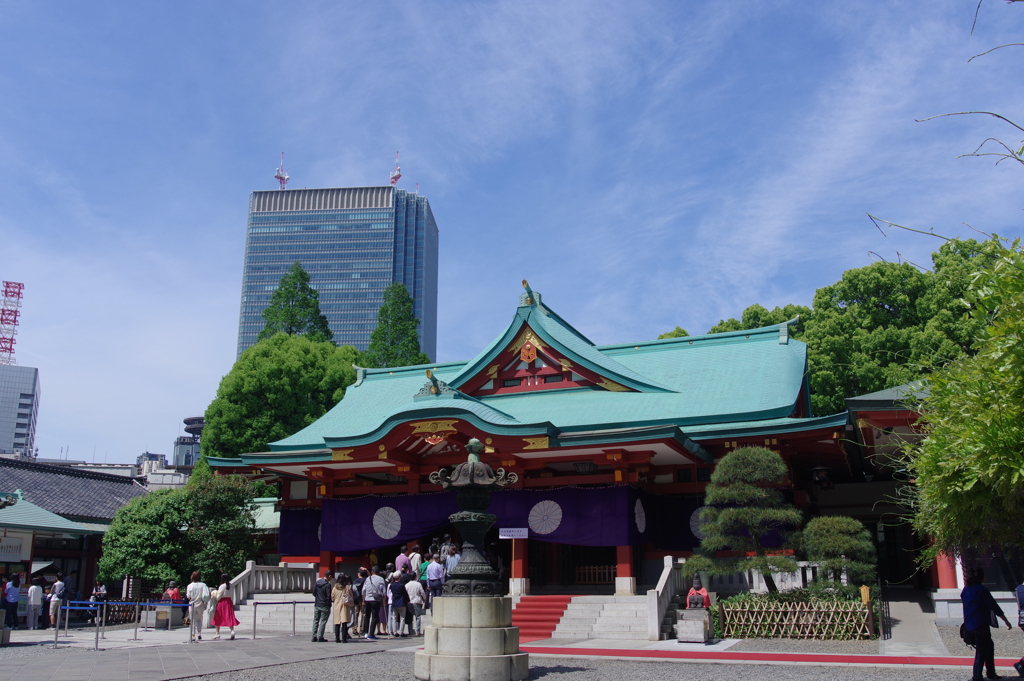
(19, 404)
(353, 242)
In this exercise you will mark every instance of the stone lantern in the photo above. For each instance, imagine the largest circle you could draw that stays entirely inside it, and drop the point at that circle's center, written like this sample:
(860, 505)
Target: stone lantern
(472, 637)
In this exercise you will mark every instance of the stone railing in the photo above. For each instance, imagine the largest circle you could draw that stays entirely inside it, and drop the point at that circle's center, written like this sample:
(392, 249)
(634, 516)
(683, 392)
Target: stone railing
(265, 579)
(662, 596)
(672, 583)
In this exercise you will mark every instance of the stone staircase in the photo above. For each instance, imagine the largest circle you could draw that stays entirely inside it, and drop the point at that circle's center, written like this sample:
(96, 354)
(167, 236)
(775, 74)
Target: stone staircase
(276, 618)
(608, 617)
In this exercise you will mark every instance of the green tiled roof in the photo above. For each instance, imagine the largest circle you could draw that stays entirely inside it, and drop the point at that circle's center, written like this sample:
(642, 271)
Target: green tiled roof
(701, 384)
(25, 515)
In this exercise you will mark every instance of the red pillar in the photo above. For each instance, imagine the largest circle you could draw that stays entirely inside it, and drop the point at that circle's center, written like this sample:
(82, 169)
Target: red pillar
(327, 559)
(946, 571)
(625, 580)
(519, 583)
(624, 561)
(519, 559)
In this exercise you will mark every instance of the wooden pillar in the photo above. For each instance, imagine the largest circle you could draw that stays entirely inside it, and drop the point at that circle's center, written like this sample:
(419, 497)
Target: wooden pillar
(625, 580)
(327, 559)
(519, 584)
(946, 571)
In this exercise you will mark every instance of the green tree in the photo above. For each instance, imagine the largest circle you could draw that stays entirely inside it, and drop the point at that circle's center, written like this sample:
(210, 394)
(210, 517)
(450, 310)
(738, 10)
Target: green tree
(757, 316)
(295, 309)
(167, 534)
(276, 388)
(969, 467)
(742, 504)
(394, 342)
(678, 332)
(840, 544)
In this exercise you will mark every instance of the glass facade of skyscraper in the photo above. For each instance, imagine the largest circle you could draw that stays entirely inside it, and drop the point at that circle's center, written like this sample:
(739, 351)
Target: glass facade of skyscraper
(19, 406)
(353, 242)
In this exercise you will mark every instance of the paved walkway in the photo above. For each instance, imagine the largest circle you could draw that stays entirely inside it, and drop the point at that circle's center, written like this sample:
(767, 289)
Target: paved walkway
(912, 619)
(155, 662)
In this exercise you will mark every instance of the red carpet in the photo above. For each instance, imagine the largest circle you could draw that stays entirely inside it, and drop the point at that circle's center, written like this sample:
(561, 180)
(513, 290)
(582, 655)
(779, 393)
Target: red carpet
(726, 656)
(537, 616)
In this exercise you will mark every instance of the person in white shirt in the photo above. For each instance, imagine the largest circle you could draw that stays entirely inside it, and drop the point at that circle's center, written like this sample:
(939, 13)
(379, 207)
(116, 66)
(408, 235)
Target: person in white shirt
(415, 561)
(35, 604)
(56, 596)
(198, 595)
(417, 601)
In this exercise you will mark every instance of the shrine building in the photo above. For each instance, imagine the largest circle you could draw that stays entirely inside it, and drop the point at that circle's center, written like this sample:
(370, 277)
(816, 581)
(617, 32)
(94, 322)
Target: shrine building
(613, 446)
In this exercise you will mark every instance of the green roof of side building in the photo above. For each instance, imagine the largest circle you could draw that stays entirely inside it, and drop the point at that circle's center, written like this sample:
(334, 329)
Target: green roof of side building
(24, 515)
(707, 386)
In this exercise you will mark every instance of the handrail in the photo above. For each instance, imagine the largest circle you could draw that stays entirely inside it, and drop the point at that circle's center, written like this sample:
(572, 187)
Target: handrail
(659, 598)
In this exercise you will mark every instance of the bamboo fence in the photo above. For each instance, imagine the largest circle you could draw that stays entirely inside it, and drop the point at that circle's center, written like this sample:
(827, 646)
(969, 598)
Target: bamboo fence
(825, 620)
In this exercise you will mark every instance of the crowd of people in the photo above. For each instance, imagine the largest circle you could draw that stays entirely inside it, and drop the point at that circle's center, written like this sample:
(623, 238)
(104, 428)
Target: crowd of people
(388, 602)
(44, 600)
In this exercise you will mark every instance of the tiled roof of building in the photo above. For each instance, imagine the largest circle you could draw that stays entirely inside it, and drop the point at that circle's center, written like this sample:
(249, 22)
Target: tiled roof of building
(697, 383)
(74, 494)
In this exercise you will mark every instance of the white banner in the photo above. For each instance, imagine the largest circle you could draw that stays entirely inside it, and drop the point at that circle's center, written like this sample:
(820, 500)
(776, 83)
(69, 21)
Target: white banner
(10, 549)
(513, 533)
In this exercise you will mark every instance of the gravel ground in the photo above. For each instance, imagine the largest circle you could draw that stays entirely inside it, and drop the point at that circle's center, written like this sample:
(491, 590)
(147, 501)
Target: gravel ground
(1008, 643)
(388, 666)
(792, 645)
(35, 649)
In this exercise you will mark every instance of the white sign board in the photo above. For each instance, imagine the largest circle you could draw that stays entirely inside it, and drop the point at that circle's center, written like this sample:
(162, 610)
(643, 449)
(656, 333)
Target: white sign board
(513, 533)
(10, 549)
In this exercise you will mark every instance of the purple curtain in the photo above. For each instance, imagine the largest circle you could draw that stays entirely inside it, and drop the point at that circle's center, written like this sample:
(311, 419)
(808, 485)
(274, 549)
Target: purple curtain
(603, 516)
(299, 534)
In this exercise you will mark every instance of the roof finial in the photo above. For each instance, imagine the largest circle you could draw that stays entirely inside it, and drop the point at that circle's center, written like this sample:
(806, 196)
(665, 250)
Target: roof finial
(526, 285)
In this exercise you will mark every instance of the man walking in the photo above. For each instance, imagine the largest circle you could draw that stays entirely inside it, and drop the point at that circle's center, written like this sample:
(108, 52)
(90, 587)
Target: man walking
(980, 612)
(374, 591)
(321, 606)
(414, 613)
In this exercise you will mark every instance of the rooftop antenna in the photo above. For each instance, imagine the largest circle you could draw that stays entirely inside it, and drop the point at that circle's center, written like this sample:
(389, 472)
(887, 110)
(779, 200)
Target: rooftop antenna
(396, 174)
(9, 314)
(282, 175)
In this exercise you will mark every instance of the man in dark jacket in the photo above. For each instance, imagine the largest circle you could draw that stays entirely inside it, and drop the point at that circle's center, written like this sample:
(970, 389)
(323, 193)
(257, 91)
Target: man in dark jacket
(321, 606)
(399, 602)
(980, 611)
(357, 594)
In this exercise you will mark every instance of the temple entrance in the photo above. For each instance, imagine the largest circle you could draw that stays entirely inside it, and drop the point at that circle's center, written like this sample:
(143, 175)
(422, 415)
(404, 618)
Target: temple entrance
(565, 568)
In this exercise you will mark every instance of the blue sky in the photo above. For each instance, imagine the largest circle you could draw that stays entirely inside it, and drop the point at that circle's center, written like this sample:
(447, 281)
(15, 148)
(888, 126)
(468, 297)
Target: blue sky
(643, 164)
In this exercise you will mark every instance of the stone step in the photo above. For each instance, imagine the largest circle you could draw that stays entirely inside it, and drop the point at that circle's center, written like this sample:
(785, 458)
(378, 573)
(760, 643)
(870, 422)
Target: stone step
(619, 627)
(608, 599)
(587, 621)
(620, 620)
(584, 610)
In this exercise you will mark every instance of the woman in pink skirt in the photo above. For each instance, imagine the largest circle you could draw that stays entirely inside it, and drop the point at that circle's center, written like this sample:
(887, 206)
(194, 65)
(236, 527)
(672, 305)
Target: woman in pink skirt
(224, 615)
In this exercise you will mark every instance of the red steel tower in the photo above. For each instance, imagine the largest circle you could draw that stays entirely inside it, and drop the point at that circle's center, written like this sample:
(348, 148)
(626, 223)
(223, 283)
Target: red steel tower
(396, 174)
(9, 313)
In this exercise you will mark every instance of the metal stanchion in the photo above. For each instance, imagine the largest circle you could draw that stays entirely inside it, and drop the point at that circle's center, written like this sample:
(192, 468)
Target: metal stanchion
(136, 636)
(254, 620)
(103, 625)
(191, 623)
(67, 618)
(293, 618)
(97, 621)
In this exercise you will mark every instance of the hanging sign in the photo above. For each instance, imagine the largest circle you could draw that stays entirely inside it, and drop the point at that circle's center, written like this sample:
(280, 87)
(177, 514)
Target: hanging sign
(10, 549)
(513, 533)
